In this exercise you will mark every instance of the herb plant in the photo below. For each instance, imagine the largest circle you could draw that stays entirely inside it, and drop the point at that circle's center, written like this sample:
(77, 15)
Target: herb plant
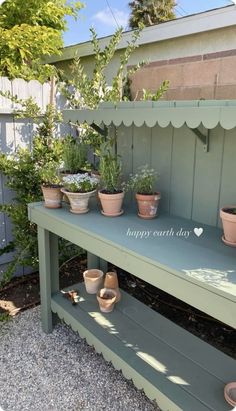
(143, 181)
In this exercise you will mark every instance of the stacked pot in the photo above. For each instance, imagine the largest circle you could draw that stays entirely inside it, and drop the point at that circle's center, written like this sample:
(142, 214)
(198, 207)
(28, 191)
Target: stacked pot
(107, 290)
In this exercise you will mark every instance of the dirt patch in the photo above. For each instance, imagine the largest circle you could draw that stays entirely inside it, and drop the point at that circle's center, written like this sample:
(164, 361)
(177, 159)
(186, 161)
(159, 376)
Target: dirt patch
(23, 293)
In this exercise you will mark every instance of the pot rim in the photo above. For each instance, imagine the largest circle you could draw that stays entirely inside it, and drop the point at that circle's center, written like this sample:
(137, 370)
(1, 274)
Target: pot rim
(148, 196)
(100, 272)
(227, 216)
(64, 191)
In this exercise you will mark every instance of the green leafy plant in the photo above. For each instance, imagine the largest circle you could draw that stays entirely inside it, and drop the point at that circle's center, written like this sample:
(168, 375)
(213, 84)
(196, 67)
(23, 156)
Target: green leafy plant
(143, 181)
(80, 183)
(110, 170)
(30, 32)
(23, 171)
(87, 91)
(74, 155)
(148, 95)
(49, 175)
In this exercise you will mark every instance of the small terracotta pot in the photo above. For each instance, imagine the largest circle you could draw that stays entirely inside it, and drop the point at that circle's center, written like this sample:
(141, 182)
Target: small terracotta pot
(52, 196)
(106, 298)
(229, 225)
(111, 281)
(93, 280)
(111, 203)
(78, 201)
(230, 393)
(148, 205)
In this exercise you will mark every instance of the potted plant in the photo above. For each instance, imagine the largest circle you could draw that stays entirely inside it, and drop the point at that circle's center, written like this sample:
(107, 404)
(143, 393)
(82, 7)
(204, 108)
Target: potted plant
(142, 183)
(111, 195)
(228, 216)
(74, 156)
(79, 188)
(51, 186)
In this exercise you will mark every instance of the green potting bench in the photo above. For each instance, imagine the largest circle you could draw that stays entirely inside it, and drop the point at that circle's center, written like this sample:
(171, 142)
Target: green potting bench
(177, 369)
(192, 145)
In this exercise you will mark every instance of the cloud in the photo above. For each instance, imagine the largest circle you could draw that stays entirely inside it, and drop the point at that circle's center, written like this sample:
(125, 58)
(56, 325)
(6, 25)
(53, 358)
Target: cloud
(105, 17)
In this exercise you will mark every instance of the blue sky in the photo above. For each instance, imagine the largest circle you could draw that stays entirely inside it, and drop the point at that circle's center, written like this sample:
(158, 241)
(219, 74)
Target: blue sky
(97, 14)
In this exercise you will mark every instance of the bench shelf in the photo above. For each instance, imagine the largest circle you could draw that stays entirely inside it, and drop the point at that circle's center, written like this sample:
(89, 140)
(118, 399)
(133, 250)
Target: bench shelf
(176, 368)
(172, 366)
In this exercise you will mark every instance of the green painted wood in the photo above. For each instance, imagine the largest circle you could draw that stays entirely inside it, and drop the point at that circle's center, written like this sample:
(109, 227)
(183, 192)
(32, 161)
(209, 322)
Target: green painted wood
(182, 172)
(207, 179)
(124, 149)
(210, 359)
(200, 271)
(227, 189)
(45, 279)
(141, 147)
(191, 113)
(54, 262)
(92, 261)
(161, 151)
(128, 339)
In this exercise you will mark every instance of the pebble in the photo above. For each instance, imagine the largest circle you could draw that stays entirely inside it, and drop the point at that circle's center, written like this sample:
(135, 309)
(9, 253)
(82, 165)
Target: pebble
(59, 372)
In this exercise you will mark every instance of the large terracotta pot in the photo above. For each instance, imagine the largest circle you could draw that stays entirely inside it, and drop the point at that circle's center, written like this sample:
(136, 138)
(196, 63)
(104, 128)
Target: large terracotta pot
(148, 205)
(111, 203)
(93, 280)
(78, 201)
(229, 225)
(52, 196)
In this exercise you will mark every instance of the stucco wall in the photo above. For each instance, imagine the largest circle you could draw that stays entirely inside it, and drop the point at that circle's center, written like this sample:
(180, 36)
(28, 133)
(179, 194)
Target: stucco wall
(204, 75)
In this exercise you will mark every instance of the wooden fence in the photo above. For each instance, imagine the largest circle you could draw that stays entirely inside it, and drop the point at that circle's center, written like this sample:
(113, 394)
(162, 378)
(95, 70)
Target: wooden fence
(14, 133)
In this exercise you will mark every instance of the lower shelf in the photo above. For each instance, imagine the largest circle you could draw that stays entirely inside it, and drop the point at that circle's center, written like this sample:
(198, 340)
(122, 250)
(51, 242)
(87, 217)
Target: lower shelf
(177, 369)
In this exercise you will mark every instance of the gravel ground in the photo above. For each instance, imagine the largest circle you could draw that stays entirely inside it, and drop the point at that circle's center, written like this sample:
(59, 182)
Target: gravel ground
(59, 372)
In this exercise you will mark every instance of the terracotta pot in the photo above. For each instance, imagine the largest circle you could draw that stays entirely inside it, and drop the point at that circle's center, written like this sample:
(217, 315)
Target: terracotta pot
(106, 298)
(52, 196)
(78, 201)
(230, 393)
(111, 203)
(148, 205)
(111, 281)
(229, 225)
(93, 280)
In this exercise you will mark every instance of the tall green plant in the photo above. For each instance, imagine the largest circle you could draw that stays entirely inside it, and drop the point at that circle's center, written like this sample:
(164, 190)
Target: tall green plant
(23, 172)
(88, 91)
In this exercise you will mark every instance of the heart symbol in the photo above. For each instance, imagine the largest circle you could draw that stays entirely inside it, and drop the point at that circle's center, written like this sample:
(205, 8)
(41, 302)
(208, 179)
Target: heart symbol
(198, 231)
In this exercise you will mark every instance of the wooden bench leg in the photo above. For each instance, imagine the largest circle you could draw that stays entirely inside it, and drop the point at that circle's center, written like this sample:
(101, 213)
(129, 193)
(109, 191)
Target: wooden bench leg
(49, 275)
(96, 262)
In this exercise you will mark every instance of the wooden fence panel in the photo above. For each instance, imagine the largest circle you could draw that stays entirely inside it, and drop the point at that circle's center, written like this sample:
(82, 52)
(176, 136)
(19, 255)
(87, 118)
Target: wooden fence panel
(15, 133)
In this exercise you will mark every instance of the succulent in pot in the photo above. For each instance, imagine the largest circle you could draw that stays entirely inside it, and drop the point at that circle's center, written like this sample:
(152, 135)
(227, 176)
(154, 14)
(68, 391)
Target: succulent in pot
(51, 186)
(79, 188)
(228, 216)
(142, 183)
(111, 195)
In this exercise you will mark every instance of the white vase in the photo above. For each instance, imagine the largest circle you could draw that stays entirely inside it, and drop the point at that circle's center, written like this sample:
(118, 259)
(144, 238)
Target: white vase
(78, 201)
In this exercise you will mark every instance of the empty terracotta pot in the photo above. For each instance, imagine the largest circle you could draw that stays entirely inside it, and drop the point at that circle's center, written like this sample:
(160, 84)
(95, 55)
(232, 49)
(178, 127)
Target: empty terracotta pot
(230, 393)
(111, 281)
(93, 280)
(106, 298)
